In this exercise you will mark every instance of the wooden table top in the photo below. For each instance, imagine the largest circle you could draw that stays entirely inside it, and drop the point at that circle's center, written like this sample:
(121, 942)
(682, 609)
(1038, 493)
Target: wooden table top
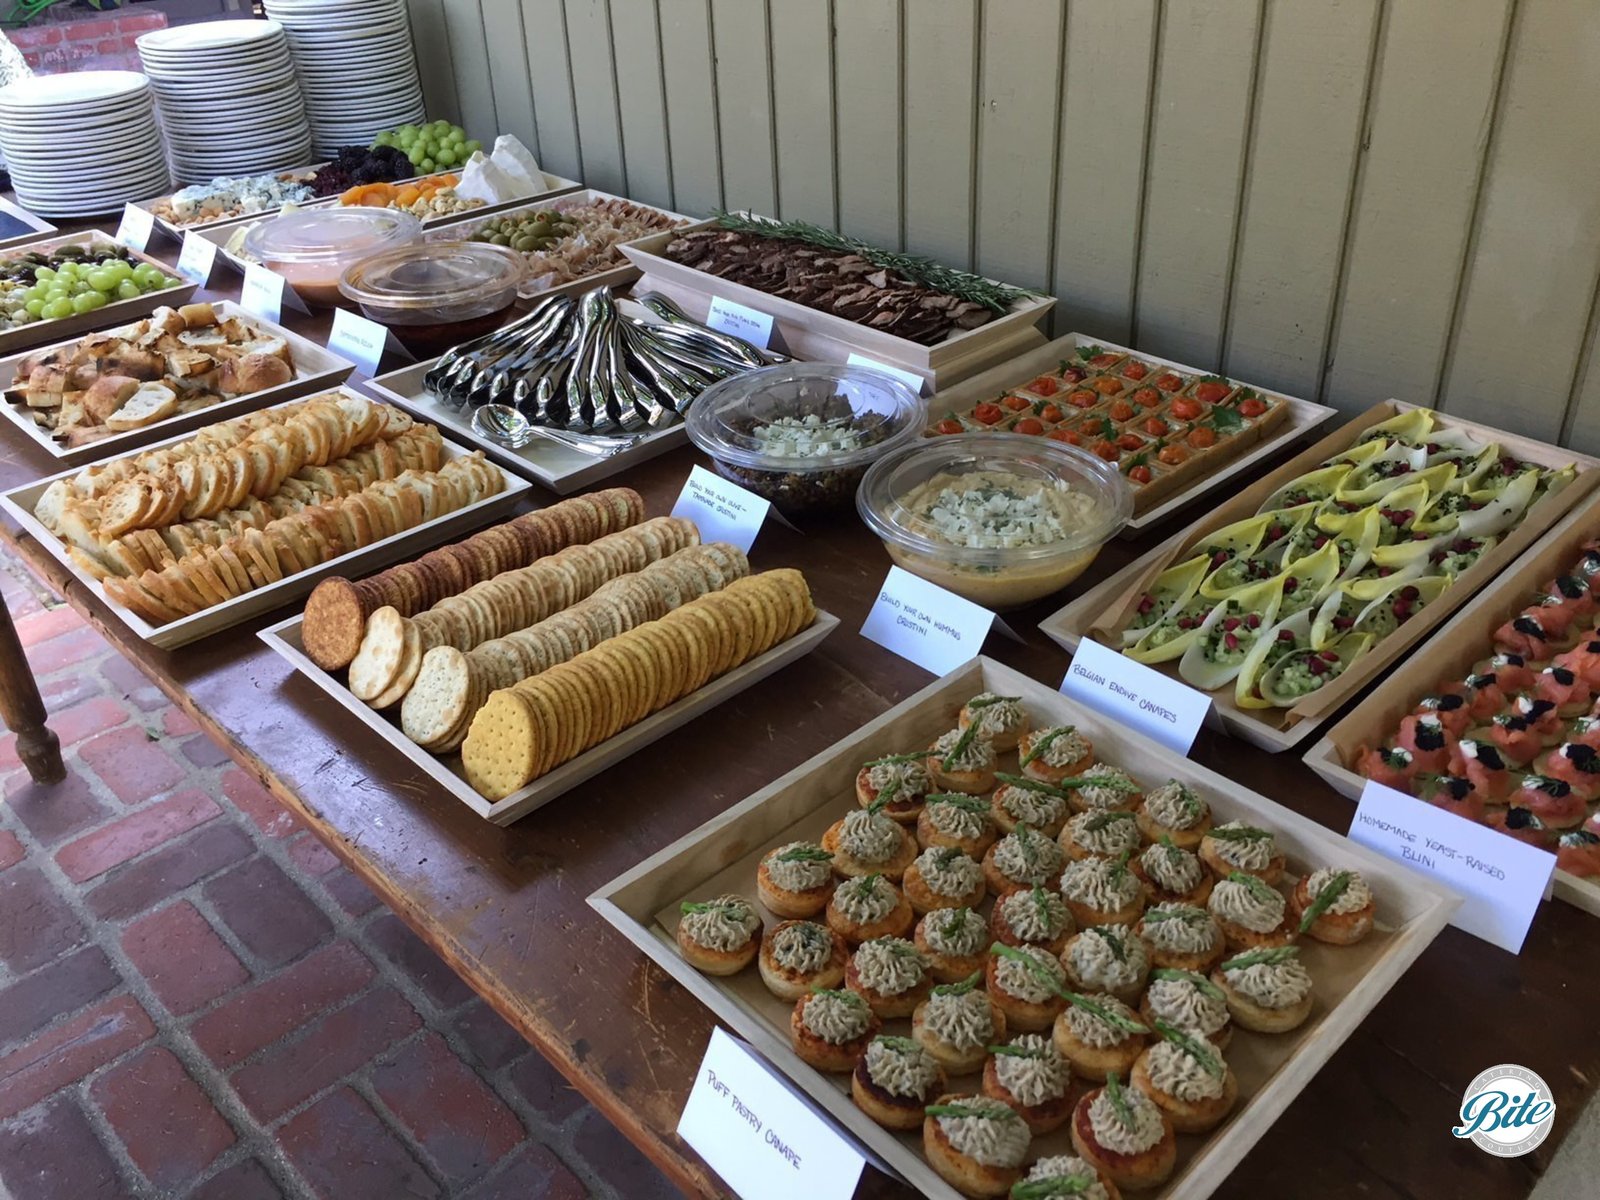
(506, 907)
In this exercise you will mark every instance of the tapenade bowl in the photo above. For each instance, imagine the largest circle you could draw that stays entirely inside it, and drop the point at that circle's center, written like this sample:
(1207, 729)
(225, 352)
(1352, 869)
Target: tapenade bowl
(962, 760)
(797, 956)
(955, 942)
(894, 1081)
(1107, 958)
(1238, 846)
(1002, 719)
(1099, 1034)
(944, 877)
(1187, 1078)
(866, 840)
(1268, 991)
(899, 781)
(1024, 858)
(975, 1143)
(831, 1029)
(958, 820)
(795, 880)
(1027, 984)
(999, 518)
(1019, 800)
(1251, 913)
(1189, 1001)
(869, 907)
(1112, 833)
(1171, 874)
(890, 975)
(1333, 906)
(1174, 810)
(802, 434)
(721, 936)
(1181, 937)
(957, 1023)
(1033, 916)
(1030, 1074)
(1124, 1134)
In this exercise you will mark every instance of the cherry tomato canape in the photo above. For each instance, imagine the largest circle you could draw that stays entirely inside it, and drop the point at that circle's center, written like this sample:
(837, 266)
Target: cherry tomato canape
(1169, 382)
(1147, 397)
(1016, 403)
(1135, 371)
(1120, 410)
(948, 425)
(1045, 385)
(989, 414)
(1187, 408)
(1211, 390)
(1031, 426)
(1083, 398)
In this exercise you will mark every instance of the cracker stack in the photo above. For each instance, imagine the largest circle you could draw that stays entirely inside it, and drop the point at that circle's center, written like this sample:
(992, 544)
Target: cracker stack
(337, 612)
(526, 730)
(392, 648)
(451, 686)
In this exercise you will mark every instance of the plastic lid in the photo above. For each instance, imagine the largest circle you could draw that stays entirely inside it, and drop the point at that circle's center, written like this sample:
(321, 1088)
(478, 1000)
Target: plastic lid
(1016, 460)
(436, 276)
(336, 234)
(805, 416)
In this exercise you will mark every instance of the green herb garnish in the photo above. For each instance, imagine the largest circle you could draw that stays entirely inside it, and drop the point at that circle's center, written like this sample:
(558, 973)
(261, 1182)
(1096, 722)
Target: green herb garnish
(1030, 785)
(1100, 820)
(1044, 740)
(991, 1111)
(1273, 957)
(1239, 833)
(1225, 420)
(1090, 352)
(1258, 888)
(961, 801)
(1200, 982)
(1119, 1102)
(959, 989)
(1118, 950)
(844, 994)
(963, 744)
(903, 1044)
(804, 854)
(1336, 887)
(1041, 903)
(709, 905)
(1020, 1051)
(1054, 1188)
(1101, 1013)
(1107, 429)
(1188, 914)
(895, 760)
(1209, 1062)
(866, 885)
(1174, 851)
(986, 701)
(1110, 782)
(955, 920)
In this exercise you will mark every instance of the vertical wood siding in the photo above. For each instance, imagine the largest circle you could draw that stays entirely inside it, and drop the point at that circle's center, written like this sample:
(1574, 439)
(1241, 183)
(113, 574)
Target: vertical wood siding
(1348, 200)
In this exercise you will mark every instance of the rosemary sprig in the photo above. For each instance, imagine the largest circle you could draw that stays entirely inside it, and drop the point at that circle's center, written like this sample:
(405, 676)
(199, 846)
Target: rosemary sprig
(959, 989)
(1201, 984)
(1325, 899)
(1273, 957)
(1119, 1102)
(964, 285)
(1209, 1062)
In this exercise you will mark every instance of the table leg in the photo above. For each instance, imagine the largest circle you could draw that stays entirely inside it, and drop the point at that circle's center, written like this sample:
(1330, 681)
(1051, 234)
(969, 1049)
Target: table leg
(23, 710)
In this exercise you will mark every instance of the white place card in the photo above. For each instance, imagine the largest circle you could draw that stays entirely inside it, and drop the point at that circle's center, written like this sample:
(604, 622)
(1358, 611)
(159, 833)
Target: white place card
(362, 340)
(910, 378)
(1501, 879)
(197, 258)
(261, 295)
(765, 1141)
(1136, 696)
(724, 511)
(747, 323)
(136, 227)
(923, 622)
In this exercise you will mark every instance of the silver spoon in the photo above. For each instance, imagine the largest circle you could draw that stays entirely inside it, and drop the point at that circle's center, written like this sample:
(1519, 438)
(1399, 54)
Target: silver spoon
(505, 426)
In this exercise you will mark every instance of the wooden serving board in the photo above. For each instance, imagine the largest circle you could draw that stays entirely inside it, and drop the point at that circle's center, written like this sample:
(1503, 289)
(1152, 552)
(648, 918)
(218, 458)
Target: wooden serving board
(118, 312)
(316, 368)
(284, 638)
(19, 502)
(1450, 654)
(1245, 452)
(1278, 729)
(721, 857)
(809, 333)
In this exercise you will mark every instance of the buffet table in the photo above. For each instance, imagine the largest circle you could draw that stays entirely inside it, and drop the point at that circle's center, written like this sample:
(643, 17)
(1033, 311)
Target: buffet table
(506, 906)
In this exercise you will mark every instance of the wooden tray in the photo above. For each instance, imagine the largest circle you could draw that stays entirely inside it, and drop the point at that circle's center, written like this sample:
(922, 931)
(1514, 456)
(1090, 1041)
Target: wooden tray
(461, 225)
(316, 368)
(118, 312)
(19, 502)
(1449, 654)
(284, 637)
(561, 470)
(1304, 417)
(1280, 729)
(172, 229)
(822, 337)
(721, 856)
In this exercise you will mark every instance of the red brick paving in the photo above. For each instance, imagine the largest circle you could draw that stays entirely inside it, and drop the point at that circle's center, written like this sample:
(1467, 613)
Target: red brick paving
(197, 999)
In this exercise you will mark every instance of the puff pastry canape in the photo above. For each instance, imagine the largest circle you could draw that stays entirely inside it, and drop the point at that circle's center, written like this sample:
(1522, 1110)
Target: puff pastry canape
(1187, 1078)
(955, 942)
(1268, 991)
(1109, 834)
(831, 1029)
(1027, 983)
(1050, 755)
(1189, 1001)
(1064, 1175)
(1034, 917)
(1107, 958)
(1172, 875)
(900, 781)
(894, 1081)
(1333, 906)
(721, 936)
(962, 760)
(1125, 1135)
(957, 1023)
(1250, 912)
(1103, 788)
(944, 877)
(1102, 891)
(1099, 1034)
(866, 840)
(977, 1145)
(1019, 800)
(797, 956)
(1177, 811)
(1183, 937)
(956, 820)
(1024, 858)
(1237, 846)
(1001, 719)
(1031, 1075)
(795, 880)
(869, 907)
(890, 975)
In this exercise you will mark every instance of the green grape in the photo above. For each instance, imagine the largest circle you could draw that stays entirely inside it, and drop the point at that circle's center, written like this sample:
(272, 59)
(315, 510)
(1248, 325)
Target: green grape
(87, 302)
(427, 164)
(56, 310)
(169, 281)
(473, 146)
(103, 280)
(416, 156)
(445, 158)
(34, 308)
(129, 290)
(121, 269)
(44, 273)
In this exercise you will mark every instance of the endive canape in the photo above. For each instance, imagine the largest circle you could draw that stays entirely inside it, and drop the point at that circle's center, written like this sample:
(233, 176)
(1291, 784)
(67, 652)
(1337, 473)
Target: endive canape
(1215, 656)
(1172, 589)
(1297, 674)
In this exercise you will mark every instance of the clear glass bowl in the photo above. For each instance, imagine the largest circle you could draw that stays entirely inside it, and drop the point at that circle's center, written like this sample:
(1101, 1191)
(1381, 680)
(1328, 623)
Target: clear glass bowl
(802, 435)
(435, 295)
(999, 518)
(311, 247)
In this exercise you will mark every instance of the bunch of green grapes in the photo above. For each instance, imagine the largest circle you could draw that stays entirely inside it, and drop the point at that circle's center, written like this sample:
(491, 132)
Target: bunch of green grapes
(431, 147)
(81, 287)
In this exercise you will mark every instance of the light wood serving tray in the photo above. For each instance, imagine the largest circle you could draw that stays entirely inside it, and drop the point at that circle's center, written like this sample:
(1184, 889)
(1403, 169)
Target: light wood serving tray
(721, 856)
(1450, 654)
(1278, 729)
(316, 368)
(1247, 451)
(19, 502)
(284, 637)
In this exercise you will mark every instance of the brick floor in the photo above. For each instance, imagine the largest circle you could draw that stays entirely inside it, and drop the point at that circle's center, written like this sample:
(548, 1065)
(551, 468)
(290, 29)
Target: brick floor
(198, 1000)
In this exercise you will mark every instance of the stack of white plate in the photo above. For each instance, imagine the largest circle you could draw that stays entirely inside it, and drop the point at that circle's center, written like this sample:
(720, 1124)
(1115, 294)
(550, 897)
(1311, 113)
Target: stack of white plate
(357, 67)
(230, 104)
(82, 144)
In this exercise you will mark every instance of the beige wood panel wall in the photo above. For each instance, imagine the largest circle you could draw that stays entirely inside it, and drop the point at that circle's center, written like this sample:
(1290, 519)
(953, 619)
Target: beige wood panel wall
(1344, 199)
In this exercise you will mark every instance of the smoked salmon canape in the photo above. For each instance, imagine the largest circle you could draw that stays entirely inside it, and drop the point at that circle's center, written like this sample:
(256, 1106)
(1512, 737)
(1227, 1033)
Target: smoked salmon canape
(1452, 706)
(1583, 660)
(1484, 697)
(1479, 761)
(1553, 801)
(1522, 824)
(1576, 764)
(1578, 853)
(1425, 736)
(1392, 766)
(1520, 743)
(1526, 635)
(1564, 689)
(1511, 671)
(1451, 793)
(1540, 714)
